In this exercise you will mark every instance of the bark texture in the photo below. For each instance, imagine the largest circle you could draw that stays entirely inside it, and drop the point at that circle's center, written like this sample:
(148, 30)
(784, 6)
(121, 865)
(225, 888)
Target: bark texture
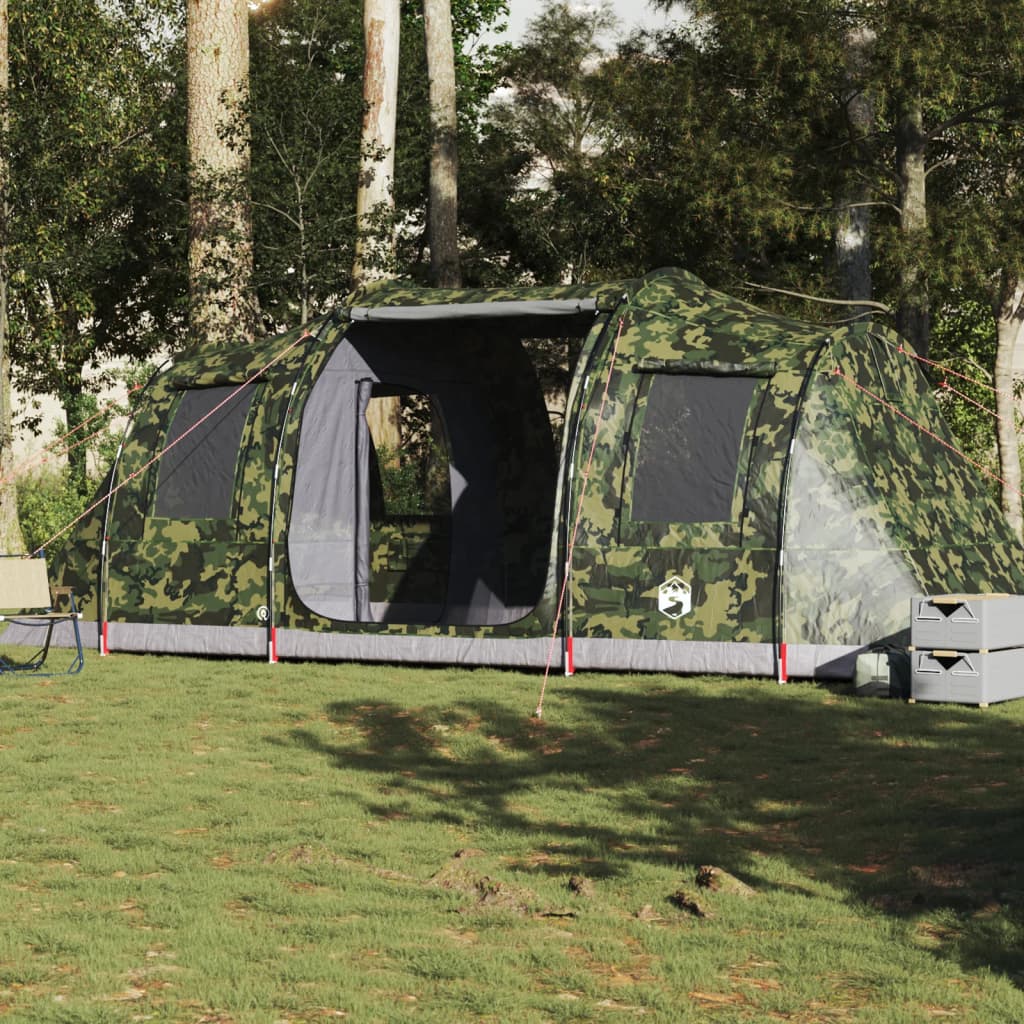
(11, 541)
(443, 207)
(375, 203)
(852, 240)
(913, 318)
(220, 222)
(1009, 316)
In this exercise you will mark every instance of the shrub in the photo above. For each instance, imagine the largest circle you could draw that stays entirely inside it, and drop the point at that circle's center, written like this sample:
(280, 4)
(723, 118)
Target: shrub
(47, 502)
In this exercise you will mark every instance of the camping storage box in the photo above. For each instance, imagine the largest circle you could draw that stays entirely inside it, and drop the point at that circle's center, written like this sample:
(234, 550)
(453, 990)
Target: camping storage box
(967, 622)
(967, 648)
(967, 677)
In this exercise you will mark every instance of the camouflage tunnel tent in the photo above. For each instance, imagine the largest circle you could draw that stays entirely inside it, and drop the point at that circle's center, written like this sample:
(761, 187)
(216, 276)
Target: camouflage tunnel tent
(728, 481)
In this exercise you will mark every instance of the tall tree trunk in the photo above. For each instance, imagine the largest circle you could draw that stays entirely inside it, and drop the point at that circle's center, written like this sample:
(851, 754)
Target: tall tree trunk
(852, 239)
(913, 317)
(220, 222)
(375, 200)
(11, 540)
(1009, 315)
(443, 206)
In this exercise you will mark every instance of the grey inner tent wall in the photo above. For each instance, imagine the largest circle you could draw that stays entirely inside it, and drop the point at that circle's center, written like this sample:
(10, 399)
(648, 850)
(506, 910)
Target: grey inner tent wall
(502, 474)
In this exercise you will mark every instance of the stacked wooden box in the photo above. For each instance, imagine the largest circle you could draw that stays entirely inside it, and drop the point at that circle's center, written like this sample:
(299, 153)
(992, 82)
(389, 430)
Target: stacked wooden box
(967, 648)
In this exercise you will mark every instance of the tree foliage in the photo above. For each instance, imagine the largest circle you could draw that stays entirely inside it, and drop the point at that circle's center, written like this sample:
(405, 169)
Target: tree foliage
(734, 144)
(306, 106)
(96, 192)
(306, 83)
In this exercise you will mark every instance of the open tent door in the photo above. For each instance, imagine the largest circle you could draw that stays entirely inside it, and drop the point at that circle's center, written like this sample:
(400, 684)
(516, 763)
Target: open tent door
(456, 528)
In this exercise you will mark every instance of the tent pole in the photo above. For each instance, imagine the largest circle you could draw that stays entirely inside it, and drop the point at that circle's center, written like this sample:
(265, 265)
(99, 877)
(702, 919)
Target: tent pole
(779, 643)
(103, 583)
(271, 616)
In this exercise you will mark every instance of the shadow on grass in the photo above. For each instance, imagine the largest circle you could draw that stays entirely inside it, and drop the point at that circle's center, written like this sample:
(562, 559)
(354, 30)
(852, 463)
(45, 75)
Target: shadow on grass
(912, 810)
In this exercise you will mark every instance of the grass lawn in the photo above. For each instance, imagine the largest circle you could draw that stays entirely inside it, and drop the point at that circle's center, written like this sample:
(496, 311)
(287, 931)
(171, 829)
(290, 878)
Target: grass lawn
(224, 842)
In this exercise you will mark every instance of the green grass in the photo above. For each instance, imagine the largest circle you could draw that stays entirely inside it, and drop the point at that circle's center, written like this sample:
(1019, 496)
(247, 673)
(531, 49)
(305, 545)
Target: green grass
(219, 841)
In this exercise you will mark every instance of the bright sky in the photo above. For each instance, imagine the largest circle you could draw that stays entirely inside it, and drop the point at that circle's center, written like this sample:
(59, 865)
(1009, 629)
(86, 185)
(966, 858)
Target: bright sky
(631, 13)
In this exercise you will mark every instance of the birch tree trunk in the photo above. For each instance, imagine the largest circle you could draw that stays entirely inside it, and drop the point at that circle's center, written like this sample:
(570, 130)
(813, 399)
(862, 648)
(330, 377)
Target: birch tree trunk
(11, 540)
(1009, 315)
(220, 257)
(913, 317)
(443, 205)
(375, 201)
(852, 239)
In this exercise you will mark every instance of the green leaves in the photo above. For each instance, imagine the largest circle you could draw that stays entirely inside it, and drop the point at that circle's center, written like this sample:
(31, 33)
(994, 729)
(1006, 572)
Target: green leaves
(96, 188)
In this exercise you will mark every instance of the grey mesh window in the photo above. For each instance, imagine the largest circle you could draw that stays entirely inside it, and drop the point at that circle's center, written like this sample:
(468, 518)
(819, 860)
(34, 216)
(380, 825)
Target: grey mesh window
(689, 448)
(197, 474)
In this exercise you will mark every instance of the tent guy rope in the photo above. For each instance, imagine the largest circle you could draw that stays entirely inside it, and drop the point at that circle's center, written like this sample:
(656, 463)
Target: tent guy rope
(49, 451)
(963, 396)
(922, 428)
(911, 354)
(159, 455)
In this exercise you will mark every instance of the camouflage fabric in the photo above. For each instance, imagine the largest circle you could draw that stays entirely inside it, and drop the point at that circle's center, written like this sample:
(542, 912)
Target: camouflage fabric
(880, 505)
(868, 507)
(400, 293)
(870, 510)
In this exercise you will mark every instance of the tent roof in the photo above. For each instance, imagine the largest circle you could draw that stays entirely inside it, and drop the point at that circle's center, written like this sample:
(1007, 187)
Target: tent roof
(681, 324)
(710, 316)
(380, 294)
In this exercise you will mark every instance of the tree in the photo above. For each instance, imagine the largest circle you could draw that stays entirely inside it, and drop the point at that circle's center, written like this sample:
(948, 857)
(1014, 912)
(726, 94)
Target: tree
(980, 201)
(442, 206)
(10, 532)
(375, 198)
(95, 198)
(1009, 315)
(535, 204)
(306, 83)
(306, 95)
(929, 70)
(852, 232)
(220, 225)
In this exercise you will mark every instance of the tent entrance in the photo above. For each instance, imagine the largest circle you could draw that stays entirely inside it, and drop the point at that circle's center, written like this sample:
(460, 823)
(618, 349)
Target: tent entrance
(426, 476)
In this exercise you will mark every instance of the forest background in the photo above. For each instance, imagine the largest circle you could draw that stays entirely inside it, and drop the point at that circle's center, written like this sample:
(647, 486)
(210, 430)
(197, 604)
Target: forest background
(847, 159)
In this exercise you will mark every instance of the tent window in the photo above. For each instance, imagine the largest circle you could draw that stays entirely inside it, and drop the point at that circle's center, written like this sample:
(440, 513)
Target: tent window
(197, 471)
(410, 506)
(409, 471)
(689, 448)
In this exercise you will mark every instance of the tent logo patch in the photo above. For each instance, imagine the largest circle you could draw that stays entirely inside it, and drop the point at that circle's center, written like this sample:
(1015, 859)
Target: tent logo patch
(674, 597)
(263, 613)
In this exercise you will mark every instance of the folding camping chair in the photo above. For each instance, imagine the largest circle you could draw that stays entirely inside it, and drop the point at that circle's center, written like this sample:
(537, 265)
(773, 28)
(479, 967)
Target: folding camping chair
(26, 600)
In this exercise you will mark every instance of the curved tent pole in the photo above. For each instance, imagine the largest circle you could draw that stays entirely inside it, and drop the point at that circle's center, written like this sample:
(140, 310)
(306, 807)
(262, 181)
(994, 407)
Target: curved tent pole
(597, 349)
(780, 547)
(274, 485)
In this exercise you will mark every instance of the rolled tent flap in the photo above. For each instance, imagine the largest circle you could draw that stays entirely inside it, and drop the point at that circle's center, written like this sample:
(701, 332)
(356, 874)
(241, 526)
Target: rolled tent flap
(473, 310)
(362, 499)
